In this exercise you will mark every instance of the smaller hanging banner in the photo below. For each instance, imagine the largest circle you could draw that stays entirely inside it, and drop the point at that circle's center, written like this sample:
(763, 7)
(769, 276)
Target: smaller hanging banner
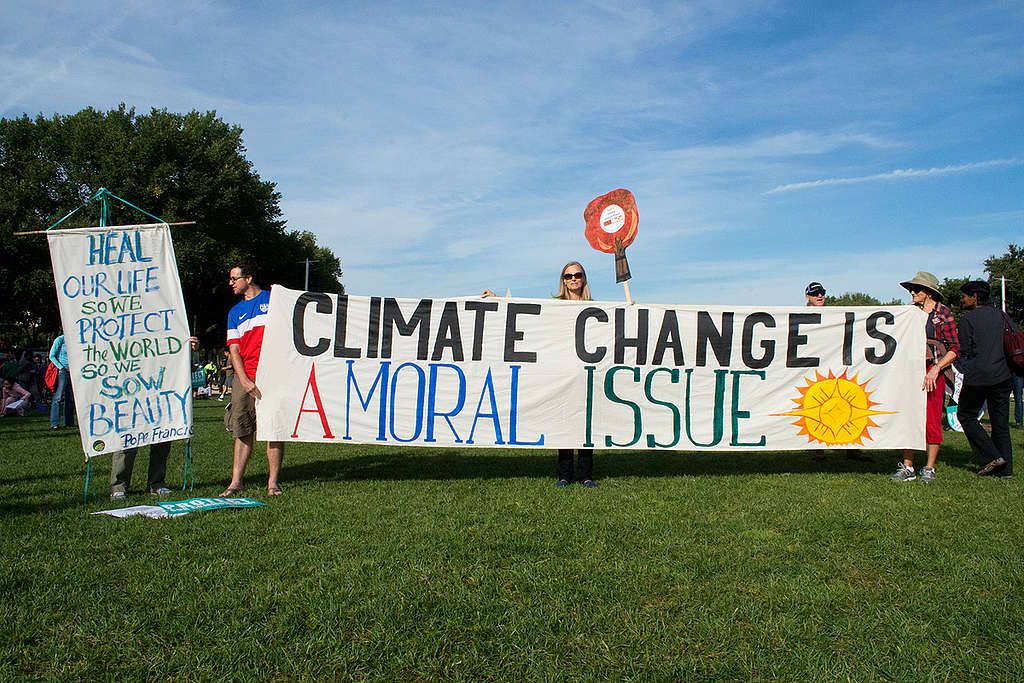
(126, 334)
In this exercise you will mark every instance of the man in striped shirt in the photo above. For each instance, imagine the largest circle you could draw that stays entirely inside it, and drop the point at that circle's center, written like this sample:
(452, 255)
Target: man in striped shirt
(246, 320)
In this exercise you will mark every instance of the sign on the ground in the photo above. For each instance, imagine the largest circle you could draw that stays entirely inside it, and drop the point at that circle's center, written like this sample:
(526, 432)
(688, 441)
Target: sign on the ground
(181, 507)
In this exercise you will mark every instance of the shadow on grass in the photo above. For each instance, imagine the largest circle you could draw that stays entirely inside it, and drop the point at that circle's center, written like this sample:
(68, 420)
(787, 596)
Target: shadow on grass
(391, 463)
(34, 506)
(35, 430)
(48, 476)
(414, 464)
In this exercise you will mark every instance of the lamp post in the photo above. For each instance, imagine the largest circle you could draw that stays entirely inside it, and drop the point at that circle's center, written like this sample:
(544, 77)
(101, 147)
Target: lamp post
(305, 285)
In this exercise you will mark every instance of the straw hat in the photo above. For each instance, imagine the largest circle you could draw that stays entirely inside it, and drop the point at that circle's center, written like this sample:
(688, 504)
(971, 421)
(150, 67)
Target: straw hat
(924, 280)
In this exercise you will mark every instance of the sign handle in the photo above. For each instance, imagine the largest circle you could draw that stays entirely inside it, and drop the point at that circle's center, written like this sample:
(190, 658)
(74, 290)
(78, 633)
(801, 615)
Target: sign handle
(85, 494)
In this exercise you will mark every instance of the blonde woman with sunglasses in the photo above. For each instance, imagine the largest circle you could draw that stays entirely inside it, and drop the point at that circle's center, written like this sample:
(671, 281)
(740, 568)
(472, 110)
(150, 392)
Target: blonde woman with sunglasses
(572, 286)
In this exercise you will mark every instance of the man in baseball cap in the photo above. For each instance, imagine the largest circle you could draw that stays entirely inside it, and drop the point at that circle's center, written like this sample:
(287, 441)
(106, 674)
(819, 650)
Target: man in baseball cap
(815, 294)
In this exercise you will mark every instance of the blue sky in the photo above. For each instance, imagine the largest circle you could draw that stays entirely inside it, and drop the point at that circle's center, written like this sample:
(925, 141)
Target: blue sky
(439, 148)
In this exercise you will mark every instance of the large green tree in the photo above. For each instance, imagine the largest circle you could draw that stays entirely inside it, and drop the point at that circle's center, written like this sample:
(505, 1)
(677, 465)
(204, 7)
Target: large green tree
(180, 167)
(950, 290)
(1010, 266)
(857, 299)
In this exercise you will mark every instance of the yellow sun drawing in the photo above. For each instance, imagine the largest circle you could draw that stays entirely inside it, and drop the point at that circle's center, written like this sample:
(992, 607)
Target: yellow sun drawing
(834, 410)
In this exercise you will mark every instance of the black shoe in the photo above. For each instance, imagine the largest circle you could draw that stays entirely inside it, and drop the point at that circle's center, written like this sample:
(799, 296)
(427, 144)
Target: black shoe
(991, 467)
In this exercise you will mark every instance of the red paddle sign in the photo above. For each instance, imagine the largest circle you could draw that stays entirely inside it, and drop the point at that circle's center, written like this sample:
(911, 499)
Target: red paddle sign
(611, 226)
(611, 221)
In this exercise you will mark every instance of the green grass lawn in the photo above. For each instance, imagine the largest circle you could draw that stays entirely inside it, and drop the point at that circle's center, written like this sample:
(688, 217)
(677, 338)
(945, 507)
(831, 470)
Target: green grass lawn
(420, 564)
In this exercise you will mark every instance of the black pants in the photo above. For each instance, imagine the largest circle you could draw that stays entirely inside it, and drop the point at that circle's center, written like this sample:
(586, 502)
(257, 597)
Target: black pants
(123, 462)
(987, 448)
(586, 464)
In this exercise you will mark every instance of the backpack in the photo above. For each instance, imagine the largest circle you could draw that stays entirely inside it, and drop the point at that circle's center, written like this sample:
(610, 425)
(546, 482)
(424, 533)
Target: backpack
(50, 377)
(1013, 347)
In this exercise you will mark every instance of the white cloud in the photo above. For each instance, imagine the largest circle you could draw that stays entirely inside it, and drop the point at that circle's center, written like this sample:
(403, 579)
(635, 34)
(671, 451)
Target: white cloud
(898, 174)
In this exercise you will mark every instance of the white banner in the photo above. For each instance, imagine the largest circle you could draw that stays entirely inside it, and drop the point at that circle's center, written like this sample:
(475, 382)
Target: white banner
(126, 334)
(558, 374)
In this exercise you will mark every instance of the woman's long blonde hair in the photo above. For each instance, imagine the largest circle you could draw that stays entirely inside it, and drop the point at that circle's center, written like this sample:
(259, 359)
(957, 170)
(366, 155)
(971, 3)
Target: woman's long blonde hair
(563, 291)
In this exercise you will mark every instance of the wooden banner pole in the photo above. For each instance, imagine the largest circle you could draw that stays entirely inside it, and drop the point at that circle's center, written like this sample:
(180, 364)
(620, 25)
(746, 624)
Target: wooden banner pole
(112, 227)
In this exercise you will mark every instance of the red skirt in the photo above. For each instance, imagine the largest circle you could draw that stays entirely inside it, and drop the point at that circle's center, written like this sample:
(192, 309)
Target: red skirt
(933, 411)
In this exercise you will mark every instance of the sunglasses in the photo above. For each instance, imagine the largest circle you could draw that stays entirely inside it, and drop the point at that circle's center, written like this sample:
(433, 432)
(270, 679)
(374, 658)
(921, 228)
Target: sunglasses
(572, 276)
(915, 290)
(232, 278)
(818, 293)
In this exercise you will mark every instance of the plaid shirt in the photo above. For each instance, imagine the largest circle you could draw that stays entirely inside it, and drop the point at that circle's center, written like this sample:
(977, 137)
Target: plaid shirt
(945, 328)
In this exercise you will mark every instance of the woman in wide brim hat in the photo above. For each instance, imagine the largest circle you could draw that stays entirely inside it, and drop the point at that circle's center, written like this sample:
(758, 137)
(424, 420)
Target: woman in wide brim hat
(924, 280)
(939, 327)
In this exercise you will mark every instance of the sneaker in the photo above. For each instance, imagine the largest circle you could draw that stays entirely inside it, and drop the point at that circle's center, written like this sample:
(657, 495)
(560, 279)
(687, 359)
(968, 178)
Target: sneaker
(118, 495)
(903, 473)
(590, 484)
(561, 482)
(927, 475)
(991, 467)
(162, 491)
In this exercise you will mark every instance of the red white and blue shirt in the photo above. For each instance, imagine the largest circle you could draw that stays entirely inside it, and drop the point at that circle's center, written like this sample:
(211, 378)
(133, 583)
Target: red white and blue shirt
(246, 320)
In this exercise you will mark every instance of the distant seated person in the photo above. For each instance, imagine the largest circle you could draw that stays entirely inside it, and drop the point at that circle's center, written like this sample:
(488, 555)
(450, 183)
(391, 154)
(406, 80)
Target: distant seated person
(27, 377)
(13, 398)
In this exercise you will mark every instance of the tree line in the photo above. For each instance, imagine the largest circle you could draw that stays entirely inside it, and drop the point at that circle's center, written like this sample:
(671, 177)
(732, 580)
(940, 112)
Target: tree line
(1009, 265)
(192, 167)
(180, 167)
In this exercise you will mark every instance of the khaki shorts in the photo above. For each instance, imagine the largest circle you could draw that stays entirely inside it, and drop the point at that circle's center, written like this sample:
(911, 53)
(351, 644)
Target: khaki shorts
(241, 419)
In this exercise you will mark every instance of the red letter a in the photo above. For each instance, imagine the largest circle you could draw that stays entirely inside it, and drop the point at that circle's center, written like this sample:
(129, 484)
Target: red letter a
(319, 410)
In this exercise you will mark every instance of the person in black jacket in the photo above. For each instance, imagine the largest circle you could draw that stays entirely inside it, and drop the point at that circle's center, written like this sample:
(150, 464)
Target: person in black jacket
(986, 379)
